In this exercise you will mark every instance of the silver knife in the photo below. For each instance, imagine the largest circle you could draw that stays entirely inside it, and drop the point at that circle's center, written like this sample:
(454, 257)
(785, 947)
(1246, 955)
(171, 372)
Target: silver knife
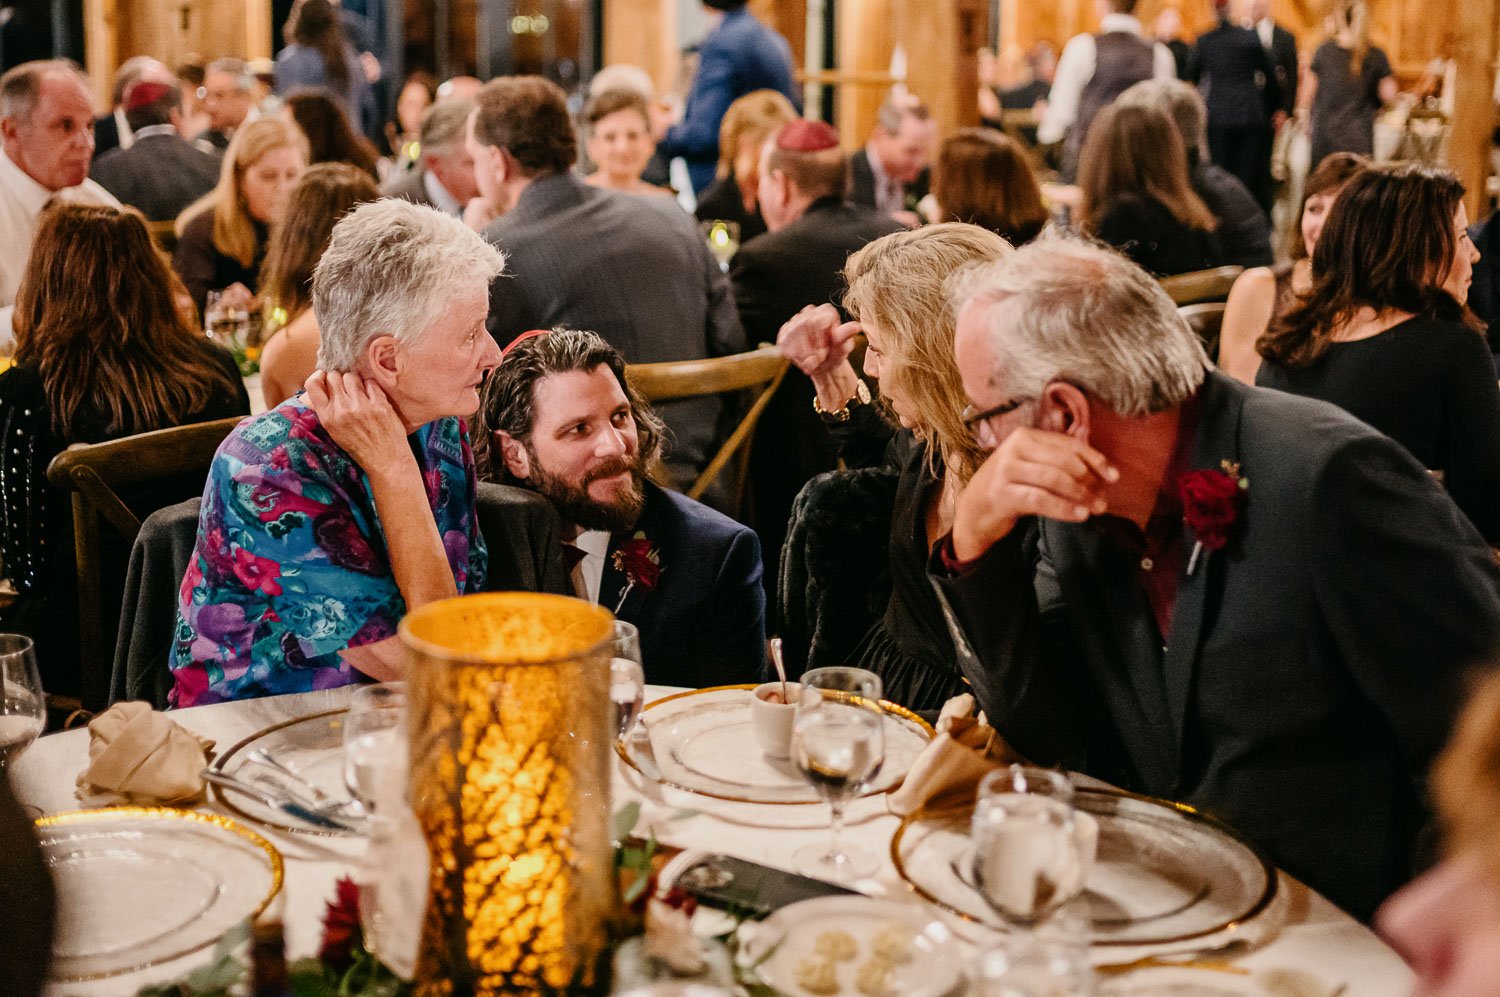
(291, 807)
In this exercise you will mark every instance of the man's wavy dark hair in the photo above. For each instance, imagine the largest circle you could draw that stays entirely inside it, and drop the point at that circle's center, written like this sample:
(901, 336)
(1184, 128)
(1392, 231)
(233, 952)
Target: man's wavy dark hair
(508, 402)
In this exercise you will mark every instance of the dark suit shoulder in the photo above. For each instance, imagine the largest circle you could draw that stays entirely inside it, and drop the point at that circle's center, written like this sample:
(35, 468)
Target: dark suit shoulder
(408, 186)
(847, 227)
(693, 519)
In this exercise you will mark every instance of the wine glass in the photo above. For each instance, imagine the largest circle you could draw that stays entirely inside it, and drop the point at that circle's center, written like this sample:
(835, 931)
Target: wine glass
(23, 709)
(627, 677)
(838, 744)
(723, 238)
(373, 729)
(1027, 859)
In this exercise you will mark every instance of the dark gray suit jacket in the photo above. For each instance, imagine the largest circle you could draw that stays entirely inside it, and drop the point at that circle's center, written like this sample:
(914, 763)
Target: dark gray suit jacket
(634, 270)
(409, 186)
(1313, 666)
(159, 175)
(862, 182)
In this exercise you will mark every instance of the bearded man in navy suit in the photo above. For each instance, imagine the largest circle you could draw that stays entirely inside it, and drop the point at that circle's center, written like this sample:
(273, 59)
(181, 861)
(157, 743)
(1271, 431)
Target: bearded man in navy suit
(559, 417)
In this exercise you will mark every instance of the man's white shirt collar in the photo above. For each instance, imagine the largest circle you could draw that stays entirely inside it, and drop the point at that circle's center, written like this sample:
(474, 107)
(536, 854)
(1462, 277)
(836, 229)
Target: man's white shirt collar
(440, 198)
(589, 573)
(1120, 22)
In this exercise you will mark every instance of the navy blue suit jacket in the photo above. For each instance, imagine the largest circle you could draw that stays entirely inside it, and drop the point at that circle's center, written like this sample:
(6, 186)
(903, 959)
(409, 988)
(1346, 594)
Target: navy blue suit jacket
(704, 623)
(740, 55)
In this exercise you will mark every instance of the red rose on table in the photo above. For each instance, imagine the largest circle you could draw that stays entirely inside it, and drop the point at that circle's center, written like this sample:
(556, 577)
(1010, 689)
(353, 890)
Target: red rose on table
(341, 925)
(640, 562)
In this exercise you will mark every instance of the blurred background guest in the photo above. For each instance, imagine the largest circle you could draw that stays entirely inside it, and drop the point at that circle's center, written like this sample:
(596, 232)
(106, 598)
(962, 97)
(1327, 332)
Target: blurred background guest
(317, 54)
(738, 56)
(417, 94)
(112, 131)
(228, 100)
(1281, 47)
(1244, 230)
(618, 140)
(221, 240)
(324, 194)
(1381, 330)
(732, 196)
(984, 178)
(1168, 32)
(444, 177)
(101, 352)
(1136, 195)
(624, 76)
(1263, 294)
(898, 294)
(191, 75)
(1239, 86)
(330, 139)
(892, 173)
(1348, 81)
(161, 173)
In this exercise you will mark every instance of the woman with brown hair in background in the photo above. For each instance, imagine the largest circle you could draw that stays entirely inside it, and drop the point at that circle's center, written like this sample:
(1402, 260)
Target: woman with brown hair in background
(1136, 194)
(733, 195)
(1381, 332)
(619, 143)
(330, 139)
(318, 55)
(325, 194)
(1263, 294)
(101, 352)
(982, 177)
(221, 239)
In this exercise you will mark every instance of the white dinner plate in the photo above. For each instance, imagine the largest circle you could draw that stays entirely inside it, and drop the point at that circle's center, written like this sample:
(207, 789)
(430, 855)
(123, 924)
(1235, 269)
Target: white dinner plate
(783, 941)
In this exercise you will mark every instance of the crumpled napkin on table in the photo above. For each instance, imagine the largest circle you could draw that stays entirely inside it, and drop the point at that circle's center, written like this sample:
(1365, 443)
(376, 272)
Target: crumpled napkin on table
(949, 770)
(137, 755)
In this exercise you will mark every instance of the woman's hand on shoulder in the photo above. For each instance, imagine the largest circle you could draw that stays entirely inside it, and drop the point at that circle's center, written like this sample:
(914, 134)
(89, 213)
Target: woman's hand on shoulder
(361, 420)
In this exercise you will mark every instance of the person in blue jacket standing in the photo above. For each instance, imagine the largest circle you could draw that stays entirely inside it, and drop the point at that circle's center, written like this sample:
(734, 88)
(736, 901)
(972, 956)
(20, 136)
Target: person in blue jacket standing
(739, 55)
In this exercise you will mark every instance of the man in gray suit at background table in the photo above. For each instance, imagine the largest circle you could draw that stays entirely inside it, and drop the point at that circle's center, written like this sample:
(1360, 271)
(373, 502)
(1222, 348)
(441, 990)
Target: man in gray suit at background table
(633, 269)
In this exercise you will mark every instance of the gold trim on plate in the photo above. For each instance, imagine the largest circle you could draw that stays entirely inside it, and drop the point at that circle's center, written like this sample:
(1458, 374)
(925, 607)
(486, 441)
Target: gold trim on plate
(70, 818)
(1192, 813)
(889, 707)
(224, 796)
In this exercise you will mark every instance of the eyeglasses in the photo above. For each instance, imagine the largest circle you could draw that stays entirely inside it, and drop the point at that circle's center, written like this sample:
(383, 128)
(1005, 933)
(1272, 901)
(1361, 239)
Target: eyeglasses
(973, 420)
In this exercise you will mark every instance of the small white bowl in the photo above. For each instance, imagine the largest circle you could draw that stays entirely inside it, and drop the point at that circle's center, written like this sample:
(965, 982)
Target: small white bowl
(772, 720)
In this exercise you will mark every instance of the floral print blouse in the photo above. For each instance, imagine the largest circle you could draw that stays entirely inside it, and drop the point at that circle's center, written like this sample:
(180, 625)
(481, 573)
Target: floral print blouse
(291, 566)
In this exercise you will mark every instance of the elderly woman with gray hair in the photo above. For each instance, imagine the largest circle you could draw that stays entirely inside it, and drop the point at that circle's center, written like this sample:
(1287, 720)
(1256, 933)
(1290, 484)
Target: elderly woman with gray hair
(329, 517)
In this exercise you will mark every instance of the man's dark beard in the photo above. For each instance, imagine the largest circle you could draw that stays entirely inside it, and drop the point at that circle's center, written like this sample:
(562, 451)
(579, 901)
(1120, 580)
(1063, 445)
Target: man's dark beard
(577, 506)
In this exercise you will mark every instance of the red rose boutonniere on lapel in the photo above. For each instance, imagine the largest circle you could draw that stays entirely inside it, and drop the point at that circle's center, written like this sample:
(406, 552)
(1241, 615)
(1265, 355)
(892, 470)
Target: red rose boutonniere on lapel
(640, 563)
(1212, 500)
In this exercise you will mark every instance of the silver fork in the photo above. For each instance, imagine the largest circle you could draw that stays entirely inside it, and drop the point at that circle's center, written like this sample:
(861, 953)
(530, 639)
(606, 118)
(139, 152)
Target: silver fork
(322, 800)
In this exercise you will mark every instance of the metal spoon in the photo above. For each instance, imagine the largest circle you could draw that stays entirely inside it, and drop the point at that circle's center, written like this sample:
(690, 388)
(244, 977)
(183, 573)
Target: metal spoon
(780, 667)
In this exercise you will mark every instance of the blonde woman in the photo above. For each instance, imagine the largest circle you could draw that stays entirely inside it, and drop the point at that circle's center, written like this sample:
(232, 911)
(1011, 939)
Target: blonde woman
(222, 238)
(898, 299)
(747, 124)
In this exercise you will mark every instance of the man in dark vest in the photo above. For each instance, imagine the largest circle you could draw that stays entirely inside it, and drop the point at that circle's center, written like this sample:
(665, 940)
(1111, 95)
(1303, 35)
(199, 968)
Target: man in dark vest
(1094, 70)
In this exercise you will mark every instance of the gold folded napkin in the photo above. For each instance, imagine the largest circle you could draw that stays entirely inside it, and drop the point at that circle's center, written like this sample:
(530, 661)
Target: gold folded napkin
(137, 755)
(948, 771)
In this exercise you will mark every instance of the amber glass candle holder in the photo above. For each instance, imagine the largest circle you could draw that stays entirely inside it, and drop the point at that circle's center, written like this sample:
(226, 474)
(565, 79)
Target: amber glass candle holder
(509, 716)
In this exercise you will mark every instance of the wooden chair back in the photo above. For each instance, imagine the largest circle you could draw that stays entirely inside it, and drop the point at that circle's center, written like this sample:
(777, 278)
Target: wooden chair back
(1201, 285)
(753, 376)
(94, 473)
(1207, 319)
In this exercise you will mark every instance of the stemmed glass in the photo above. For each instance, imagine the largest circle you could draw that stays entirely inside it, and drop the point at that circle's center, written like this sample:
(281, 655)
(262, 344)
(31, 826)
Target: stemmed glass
(627, 677)
(23, 709)
(1027, 859)
(838, 744)
(373, 730)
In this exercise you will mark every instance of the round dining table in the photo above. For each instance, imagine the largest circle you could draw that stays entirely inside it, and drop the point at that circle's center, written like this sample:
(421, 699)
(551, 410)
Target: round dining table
(1314, 937)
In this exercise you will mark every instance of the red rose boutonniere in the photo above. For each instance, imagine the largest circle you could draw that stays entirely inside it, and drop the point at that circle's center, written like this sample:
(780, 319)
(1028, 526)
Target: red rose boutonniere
(640, 563)
(1212, 499)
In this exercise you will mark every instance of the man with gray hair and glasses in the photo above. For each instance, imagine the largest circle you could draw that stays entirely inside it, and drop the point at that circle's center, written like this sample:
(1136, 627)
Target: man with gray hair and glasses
(1221, 595)
(445, 177)
(47, 129)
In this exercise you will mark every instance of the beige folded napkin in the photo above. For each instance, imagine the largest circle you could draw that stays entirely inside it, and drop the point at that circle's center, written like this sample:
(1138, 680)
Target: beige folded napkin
(137, 755)
(948, 771)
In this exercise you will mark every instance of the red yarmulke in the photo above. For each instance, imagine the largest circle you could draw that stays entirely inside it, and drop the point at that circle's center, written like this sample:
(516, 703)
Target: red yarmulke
(144, 92)
(807, 136)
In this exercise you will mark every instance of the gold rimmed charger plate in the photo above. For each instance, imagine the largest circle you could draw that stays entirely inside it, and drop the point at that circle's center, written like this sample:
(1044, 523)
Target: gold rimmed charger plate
(142, 886)
(1165, 875)
(312, 746)
(725, 736)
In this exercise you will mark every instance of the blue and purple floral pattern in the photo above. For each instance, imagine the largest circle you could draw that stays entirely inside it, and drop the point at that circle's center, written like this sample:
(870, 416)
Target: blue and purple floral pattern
(291, 565)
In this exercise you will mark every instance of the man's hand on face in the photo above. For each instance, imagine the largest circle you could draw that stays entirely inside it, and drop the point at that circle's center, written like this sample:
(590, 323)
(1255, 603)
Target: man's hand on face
(1033, 472)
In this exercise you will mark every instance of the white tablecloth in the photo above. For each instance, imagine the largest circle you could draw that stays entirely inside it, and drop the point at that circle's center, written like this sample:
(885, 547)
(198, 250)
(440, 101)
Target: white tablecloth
(1317, 938)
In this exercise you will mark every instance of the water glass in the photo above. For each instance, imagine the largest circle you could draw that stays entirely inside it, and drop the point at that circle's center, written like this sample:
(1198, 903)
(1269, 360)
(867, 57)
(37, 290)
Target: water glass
(1051, 962)
(374, 736)
(723, 238)
(838, 744)
(23, 710)
(627, 676)
(1028, 862)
